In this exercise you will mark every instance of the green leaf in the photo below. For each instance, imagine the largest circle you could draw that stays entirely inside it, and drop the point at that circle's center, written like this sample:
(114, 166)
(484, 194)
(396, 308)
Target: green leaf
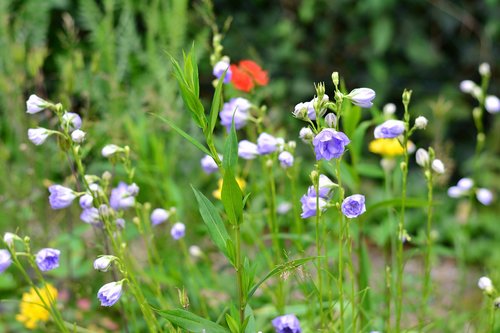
(186, 136)
(290, 265)
(232, 323)
(351, 117)
(382, 33)
(213, 221)
(370, 170)
(216, 103)
(364, 274)
(231, 195)
(191, 322)
(251, 326)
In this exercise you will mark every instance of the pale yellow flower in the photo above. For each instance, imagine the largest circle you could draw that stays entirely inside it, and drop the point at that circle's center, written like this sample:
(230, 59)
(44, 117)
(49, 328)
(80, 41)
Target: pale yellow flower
(386, 147)
(32, 308)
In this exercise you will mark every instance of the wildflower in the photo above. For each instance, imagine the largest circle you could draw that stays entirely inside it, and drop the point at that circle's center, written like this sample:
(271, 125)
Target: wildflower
(485, 284)
(159, 215)
(47, 259)
(422, 157)
(32, 309)
(195, 251)
(362, 97)
(110, 150)
(266, 144)
(386, 147)
(35, 104)
(60, 196)
(178, 231)
(455, 192)
(389, 129)
(309, 200)
(331, 120)
(286, 159)
(219, 69)
(78, 136)
(421, 122)
(237, 108)
(353, 206)
(301, 111)
(9, 238)
(329, 144)
(110, 293)
(484, 196)
(438, 166)
(123, 196)
(484, 69)
(389, 109)
(465, 184)
(247, 150)
(325, 183)
(492, 104)
(208, 164)
(103, 263)
(467, 86)
(248, 74)
(218, 192)
(5, 260)
(71, 120)
(38, 135)
(86, 201)
(306, 134)
(287, 324)
(91, 216)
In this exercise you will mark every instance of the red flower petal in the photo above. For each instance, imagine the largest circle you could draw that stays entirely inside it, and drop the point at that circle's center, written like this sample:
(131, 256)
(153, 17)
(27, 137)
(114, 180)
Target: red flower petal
(260, 76)
(241, 80)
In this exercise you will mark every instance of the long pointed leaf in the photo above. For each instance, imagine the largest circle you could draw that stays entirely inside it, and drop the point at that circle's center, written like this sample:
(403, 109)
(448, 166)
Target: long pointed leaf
(216, 103)
(191, 322)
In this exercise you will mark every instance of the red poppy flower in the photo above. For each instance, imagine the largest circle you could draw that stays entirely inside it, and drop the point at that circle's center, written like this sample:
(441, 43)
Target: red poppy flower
(247, 74)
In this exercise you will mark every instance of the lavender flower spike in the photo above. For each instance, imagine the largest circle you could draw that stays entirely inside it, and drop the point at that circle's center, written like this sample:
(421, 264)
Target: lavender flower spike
(287, 324)
(178, 231)
(110, 293)
(362, 97)
(35, 104)
(60, 196)
(5, 260)
(389, 129)
(329, 144)
(38, 135)
(353, 206)
(47, 259)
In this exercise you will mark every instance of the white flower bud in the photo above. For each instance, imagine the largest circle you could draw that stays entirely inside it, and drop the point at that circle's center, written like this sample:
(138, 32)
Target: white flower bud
(422, 157)
(438, 166)
(195, 251)
(467, 86)
(109, 150)
(492, 104)
(103, 263)
(455, 192)
(306, 134)
(465, 184)
(421, 122)
(389, 109)
(9, 238)
(485, 284)
(484, 69)
(325, 182)
(38, 135)
(78, 136)
(484, 196)
(331, 120)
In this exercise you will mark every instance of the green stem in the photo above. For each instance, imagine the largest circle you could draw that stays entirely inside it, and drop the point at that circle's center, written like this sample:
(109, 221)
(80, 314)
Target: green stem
(239, 275)
(428, 254)
(342, 225)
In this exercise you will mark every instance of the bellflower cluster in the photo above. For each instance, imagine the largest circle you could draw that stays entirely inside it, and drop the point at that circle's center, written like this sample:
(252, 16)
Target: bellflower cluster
(329, 144)
(47, 259)
(240, 108)
(389, 129)
(287, 324)
(306, 110)
(353, 206)
(219, 69)
(110, 293)
(123, 196)
(5, 260)
(309, 199)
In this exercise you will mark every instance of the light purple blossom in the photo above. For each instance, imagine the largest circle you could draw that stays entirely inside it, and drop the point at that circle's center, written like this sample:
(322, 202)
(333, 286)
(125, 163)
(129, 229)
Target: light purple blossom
(120, 222)
(110, 293)
(484, 196)
(492, 104)
(178, 231)
(5, 260)
(455, 192)
(91, 216)
(287, 324)
(86, 201)
(103, 263)
(309, 201)
(47, 259)
(240, 108)
(353, 206)
(266, 144)
(286, 159)
(123, 196)
(208, 164)
(60, 196)
(247, 150)
(362, 97)
(35, 104)
(38, 135)
(159, 215)
(465, 184)
(219, 69)
(329, 144)
(389, 129)
(72, 120)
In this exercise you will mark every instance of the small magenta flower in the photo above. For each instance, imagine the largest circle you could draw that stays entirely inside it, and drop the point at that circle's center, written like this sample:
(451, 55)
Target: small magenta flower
(266, 144)
(159, 215)
(208, 164)
(389, 129)
(71, 120)
(362, 97)
(247, 150)
(123, 196)
(110, 150)
(38, 135)
(240, 108)
(5, 260)
(219, 69)
(286, 159)
(353, 206)
(492, 104)
(47, 259)
(103, 263)
(110, 293)
(35, 104)
(329, 144)
(287, 324)
(178, 231)
(78, 136)
(86, 201)
(484, 196)
(91, 216)
(60, 196)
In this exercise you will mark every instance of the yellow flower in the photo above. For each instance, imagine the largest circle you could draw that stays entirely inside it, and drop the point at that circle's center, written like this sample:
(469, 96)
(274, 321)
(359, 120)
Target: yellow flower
(217, 193)
(386, 147)
(32, 308)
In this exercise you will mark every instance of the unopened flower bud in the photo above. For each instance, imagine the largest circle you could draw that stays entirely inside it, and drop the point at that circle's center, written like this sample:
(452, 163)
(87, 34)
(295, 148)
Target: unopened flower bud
(406, 96)
(467, 86)
(484, 69)
(492, 104)
(306, 134)
(389, 109)
(103, 263)
(485, 284)
(438, 166)
(331, 120)
(195, 251)
(78, 136)
(422, 157)
(484, 196)
(421, 122)
(387, 164)
(335, 78)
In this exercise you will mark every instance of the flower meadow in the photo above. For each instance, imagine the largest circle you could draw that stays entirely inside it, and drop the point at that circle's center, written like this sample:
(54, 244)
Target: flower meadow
(349, 216)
